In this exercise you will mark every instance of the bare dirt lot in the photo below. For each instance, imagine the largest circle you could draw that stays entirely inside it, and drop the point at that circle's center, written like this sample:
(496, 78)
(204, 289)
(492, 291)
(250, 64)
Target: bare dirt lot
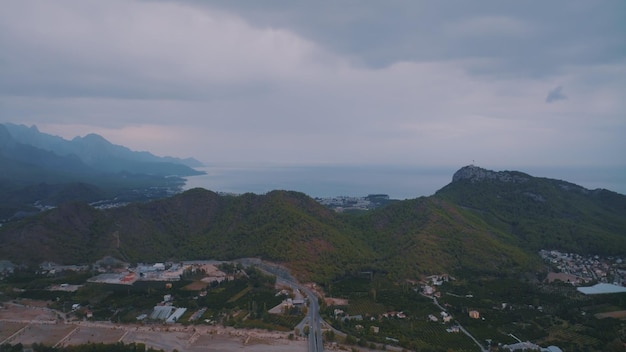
(27, 311)
(28, 325)
(196, 286)
(84, 335)
(619, 314)
(7, 329)
(48, 334)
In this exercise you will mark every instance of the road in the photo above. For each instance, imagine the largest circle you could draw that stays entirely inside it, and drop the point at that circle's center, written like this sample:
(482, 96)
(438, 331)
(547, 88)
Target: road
(315, 326)
(313, 316)
(312, 319)
(435, 302)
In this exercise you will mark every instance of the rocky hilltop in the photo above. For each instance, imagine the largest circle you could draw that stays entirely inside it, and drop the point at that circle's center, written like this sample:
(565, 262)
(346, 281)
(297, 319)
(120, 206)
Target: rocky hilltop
(477, 174)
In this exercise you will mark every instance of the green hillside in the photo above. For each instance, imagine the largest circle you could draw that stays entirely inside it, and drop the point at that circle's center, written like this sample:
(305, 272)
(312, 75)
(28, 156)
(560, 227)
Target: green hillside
(285, 227)
(483, 223)
(430, 235)
(541, 212)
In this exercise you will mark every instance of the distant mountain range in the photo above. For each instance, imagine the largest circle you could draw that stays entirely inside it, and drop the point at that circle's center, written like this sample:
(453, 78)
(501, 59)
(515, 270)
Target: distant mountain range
(483, 222)
(95, 152)
(38, 167)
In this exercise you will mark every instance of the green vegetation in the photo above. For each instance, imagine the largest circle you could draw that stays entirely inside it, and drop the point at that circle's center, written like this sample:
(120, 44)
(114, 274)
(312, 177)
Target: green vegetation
(242, 302)
(487, 227)
(553, 314)
(484, 232)
(545, 213)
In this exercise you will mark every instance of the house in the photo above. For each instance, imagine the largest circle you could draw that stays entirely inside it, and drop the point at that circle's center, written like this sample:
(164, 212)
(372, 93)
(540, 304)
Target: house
(453, 329)
(446, 317)
(374, 329)
(474, 314)
(428, 290)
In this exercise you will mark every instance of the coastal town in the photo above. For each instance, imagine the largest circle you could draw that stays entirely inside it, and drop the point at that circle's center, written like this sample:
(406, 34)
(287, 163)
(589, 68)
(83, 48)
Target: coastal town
(579, 270)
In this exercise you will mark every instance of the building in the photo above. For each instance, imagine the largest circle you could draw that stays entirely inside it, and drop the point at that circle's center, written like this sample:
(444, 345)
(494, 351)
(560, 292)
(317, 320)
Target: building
(474, 314)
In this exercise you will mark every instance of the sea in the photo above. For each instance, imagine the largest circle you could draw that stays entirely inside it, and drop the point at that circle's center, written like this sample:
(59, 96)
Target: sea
(397, 181)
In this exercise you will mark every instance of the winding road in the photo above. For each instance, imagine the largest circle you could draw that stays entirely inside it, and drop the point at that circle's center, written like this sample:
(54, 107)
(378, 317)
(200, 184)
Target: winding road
(313, 317)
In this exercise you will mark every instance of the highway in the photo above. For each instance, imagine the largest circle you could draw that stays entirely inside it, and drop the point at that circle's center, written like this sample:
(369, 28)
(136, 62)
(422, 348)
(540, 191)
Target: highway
(312, 319)
(315, 326)
(313, 316)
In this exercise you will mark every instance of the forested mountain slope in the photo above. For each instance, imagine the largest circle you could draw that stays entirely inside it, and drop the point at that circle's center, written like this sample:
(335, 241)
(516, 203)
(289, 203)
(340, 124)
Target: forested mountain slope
(491, 224)
(285, 227)
(542, 212)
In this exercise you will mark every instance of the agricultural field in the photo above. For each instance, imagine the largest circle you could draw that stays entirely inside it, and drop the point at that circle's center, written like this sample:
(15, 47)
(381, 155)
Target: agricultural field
(508, 309)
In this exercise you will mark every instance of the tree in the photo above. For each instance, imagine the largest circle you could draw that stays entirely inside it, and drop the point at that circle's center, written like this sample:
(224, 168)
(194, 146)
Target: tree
(351, 340)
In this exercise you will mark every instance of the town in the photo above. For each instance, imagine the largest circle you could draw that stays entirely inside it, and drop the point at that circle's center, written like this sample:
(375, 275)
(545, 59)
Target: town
(580, 270)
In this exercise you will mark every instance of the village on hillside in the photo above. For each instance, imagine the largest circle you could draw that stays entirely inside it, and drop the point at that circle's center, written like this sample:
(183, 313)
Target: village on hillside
(582, 270)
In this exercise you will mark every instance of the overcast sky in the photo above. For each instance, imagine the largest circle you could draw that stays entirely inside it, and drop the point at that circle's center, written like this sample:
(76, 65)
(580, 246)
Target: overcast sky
(506, 84)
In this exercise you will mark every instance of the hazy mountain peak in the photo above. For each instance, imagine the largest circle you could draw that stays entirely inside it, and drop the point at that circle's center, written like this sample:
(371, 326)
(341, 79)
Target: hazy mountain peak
(97, 152)
(91, 138)
(5, 137)
(94, 137)
(477, 174)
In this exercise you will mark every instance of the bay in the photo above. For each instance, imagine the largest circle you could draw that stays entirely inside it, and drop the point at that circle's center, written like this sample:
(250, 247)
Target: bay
(397, 181)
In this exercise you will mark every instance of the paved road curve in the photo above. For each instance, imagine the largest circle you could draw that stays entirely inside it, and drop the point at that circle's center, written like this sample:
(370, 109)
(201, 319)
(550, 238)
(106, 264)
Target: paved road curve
(313, 317)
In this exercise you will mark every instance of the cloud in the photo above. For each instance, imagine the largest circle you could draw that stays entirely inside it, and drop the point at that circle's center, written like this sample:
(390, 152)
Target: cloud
(516, 36)
(143, 50)
(555, 94)
(416, 83)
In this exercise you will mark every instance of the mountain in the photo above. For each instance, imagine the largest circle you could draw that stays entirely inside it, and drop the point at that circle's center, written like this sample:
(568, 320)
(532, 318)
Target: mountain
(286, 227)
(542, 212)
(47, 170)
(483, 222)
(98, 153)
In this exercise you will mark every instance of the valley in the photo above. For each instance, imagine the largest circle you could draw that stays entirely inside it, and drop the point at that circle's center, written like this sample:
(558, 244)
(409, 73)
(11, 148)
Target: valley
(240, 301)
(487, 263)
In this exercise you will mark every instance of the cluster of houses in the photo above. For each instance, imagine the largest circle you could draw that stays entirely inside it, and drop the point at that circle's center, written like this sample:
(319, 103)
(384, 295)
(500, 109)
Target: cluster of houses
(579, 270)
(428, 286)
(342, 203)
(445, 317)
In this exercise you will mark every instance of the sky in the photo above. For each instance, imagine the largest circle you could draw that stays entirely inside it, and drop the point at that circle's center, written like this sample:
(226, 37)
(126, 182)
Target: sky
(500, 84)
